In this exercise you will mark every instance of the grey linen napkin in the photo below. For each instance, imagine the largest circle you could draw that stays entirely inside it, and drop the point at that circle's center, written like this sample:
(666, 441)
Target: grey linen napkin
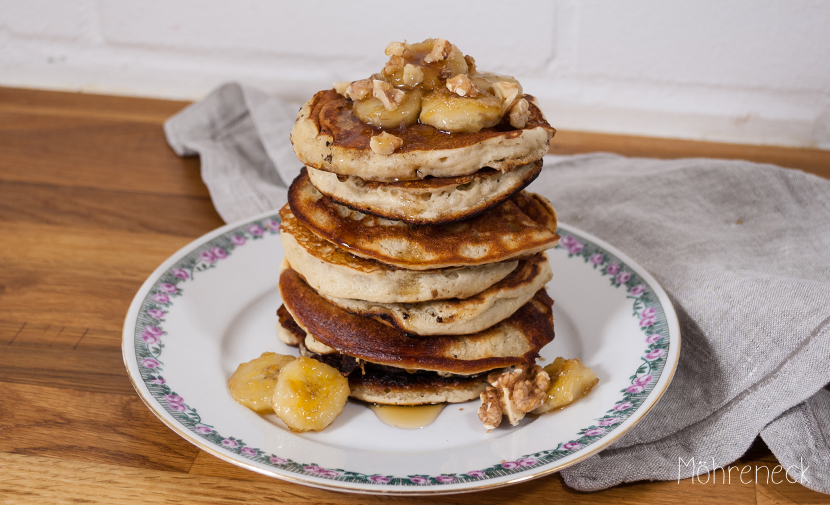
(743, 250)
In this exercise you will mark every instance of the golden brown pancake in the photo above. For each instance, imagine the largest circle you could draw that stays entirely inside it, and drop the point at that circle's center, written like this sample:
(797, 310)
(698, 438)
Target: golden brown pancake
(433, 200)
(519, 227)
(515, 340)
(388, 385)
(327, 136)
(335, 272)
(456, 316)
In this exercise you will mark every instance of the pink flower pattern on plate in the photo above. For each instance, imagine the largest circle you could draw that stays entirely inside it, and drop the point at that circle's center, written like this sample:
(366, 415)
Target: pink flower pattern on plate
(276, 460)
(654, 337)
(272, 224)
(149, 338)
(477, 474)
(418, 480)
(643, 380)
(610, 421)
(204, 430)
(150, 363)
(180, 273)
(248, 451)
(230, 443)
(161, 298)
(653, 355)
(379, 479)
(256, 230)
(594, 432)
(444, 479)
(612, 269)
(571, 446)
(238, 240)
(168, 288)
(218, 253)
(207, 257)
(155, 313)
(596, 259)
(623, 277)
(634, 389)
(509, 465)
(620, 407)
(637, 290)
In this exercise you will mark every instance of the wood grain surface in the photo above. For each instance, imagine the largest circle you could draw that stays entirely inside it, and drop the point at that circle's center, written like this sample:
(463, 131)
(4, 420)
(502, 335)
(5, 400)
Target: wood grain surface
(92, 200)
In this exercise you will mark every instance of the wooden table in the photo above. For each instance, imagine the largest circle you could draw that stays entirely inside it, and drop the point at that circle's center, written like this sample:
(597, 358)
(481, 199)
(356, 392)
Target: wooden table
(92, 200)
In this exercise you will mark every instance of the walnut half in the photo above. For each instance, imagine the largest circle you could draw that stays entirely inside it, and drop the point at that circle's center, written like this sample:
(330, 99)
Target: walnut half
(513, 394)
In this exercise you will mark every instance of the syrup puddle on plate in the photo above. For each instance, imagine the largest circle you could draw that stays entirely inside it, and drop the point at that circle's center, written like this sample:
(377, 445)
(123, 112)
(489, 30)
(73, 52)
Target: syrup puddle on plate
(407, 417)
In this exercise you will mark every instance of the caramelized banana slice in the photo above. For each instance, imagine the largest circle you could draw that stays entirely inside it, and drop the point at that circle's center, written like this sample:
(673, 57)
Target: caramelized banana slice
(570, 380)
(371, 111)
(485, 80)
(450, 112)
(309, 394)
(253, 383)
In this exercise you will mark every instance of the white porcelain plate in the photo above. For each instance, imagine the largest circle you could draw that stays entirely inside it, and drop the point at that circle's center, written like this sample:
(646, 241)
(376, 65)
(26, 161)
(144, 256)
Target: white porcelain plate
(213, 304)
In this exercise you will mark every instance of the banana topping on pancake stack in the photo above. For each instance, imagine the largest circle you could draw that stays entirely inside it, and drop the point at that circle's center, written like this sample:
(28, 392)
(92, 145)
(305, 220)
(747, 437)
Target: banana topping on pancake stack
(415, 260)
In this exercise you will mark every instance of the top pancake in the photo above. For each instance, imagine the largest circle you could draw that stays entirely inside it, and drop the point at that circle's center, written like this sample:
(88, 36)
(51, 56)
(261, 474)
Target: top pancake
(520, 227)
(327, 136)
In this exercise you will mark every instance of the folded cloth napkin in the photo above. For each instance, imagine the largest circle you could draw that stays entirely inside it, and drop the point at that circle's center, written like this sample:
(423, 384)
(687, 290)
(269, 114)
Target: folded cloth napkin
(743, 250)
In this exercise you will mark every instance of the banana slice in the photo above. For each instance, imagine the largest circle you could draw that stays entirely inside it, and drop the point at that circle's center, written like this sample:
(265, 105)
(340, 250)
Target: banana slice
(485, 80)
(450, 112)
(372, 111)
(570, 380)
(309, 394)
(253, 383)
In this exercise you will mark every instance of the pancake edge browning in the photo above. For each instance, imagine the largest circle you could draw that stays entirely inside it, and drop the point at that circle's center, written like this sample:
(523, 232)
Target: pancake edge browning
(373, 341)
(386, 385)
(427, 201)
(456, 316)
(520, 227)
(347, 154)
(374, 281)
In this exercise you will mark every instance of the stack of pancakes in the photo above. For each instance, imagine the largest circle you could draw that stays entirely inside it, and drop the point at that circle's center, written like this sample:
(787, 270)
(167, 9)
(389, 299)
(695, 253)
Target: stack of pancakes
(419, 272)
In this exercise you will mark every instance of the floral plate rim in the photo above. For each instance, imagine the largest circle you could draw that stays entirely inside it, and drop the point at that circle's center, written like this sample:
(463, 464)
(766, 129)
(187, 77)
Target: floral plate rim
(233, 235)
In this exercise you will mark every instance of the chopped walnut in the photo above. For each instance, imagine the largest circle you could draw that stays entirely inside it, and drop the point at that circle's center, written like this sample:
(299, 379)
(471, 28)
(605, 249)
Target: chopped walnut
(471, 64)
(359, 90)
(341, 87)
(506, 92)
(389, 96)
(490, 411)
(513, 394)
(395, 65)
(396, 48)
(440, 50)
(385, 143)
(412, 75)
(519, 114)
(461, 85)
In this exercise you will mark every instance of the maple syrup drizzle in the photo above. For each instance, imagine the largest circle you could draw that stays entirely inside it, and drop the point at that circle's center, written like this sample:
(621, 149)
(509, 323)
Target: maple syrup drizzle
(407, 417)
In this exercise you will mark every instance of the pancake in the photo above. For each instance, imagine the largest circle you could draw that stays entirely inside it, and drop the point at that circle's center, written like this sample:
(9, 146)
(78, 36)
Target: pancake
(327, 136)
(388, 385)
(519, 227)
(515, 340)
(426, 201)
(459, 317)
(334, 272)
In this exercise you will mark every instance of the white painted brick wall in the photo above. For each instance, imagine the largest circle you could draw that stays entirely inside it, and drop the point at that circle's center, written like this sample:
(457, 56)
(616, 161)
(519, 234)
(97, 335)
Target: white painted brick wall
(752, 71)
